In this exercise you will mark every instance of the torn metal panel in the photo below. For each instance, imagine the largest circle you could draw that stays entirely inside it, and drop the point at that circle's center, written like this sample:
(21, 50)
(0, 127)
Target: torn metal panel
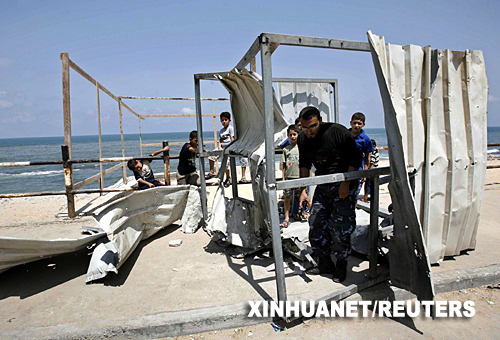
(237, 221)
(234, 221)
(440, 98)
(138, 216)
(16, 251)
(409, 261)
(247, 106)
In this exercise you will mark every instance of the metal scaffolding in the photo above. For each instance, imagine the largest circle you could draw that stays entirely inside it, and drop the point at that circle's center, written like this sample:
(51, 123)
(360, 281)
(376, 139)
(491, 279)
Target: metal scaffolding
(266, 44)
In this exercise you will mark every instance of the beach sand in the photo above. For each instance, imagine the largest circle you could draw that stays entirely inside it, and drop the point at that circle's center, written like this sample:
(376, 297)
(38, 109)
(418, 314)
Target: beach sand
(45, 217)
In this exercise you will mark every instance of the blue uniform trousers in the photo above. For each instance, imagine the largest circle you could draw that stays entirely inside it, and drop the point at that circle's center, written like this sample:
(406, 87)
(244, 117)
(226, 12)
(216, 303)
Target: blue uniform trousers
(332, 220)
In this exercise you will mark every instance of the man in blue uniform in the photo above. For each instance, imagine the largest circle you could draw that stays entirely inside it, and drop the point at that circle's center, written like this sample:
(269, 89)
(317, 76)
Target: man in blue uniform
(331, 148)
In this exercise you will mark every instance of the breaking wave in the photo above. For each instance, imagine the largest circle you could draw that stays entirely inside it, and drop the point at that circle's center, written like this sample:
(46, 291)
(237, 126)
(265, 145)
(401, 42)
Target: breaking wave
(34, 173)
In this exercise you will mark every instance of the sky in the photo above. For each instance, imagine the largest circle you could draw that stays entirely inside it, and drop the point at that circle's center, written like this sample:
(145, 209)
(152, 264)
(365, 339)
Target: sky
(153, 48)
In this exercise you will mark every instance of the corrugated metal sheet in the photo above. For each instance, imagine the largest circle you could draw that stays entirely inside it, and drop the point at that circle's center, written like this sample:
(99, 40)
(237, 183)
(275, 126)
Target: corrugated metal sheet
(409, 261)
(440, 98)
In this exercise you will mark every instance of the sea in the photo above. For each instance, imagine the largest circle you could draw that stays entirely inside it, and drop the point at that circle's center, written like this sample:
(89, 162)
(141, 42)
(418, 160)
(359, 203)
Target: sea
(27, 179)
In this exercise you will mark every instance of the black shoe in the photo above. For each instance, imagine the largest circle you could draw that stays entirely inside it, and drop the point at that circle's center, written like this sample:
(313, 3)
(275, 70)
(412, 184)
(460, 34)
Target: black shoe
(325, 266)
(340, 272)
(227, 183)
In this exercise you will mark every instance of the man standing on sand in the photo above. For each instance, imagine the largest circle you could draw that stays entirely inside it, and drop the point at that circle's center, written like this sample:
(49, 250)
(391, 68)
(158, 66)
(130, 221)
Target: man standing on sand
(332, 149)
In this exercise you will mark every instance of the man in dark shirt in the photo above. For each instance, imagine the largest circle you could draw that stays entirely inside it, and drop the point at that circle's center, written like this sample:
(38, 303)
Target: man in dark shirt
(332, 149)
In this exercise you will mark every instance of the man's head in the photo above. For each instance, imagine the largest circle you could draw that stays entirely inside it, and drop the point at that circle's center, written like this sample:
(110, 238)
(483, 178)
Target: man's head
(193, 138)
(134, 165)
(310, 119)
(298, 125)
(357, 123)
(225, 118)
(374, 143)
(292, 133)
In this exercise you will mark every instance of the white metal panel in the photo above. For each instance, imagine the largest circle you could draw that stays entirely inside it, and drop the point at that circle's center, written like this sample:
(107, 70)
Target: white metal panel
(247, 106)
(437, 165)
(459, 160)
(409, 261)
(477, 139)
(294, 96)
(136, 217)
(439, 98)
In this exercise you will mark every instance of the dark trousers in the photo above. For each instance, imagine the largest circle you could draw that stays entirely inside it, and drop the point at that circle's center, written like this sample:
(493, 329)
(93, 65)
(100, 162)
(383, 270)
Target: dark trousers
(332, 220)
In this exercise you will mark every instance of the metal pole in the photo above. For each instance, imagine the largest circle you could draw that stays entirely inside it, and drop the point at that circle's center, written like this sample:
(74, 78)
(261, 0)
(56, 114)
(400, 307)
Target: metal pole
(373, 231)
(199, 124)
(140, 136)
(234, 176)
(267, 83)
(336, 104)
(68, 181)
(101, 167)
(123, 142)
(166, 164)
(215, 140)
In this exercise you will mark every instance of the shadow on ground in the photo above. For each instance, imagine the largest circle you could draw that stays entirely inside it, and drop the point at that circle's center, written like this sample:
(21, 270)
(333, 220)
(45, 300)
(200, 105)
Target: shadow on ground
(35, 277)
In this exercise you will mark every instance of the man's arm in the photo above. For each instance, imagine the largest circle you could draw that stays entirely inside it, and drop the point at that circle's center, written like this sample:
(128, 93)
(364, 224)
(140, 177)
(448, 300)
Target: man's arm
(193, 150)
(304, 173)
(344, 186)
(151, 185)
(367, 160)
(165, 149)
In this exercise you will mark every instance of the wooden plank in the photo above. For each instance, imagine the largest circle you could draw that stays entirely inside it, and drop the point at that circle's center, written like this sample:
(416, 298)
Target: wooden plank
(165, 115)
(33, 194)
(10, 164)
(101, 179)
(96, 177)
(68, 181)
(85, 75)
(66, 101)
(123, 141)
(173, 98)
(251, 53)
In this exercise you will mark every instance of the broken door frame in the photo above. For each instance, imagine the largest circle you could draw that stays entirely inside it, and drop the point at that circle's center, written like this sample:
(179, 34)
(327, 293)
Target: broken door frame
(266, 44)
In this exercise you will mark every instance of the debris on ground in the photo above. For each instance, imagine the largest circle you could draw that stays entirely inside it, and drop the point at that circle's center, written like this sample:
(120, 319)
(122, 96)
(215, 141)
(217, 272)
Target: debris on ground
(175, 243)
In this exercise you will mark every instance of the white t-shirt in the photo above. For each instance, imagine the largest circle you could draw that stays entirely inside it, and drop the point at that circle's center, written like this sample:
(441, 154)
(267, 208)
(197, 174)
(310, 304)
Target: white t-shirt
(225, 135)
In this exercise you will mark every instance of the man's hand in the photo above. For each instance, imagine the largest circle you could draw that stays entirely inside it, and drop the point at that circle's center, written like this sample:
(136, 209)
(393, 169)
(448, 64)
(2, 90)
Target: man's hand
(344, 189)
(151, 185)
(304, 197)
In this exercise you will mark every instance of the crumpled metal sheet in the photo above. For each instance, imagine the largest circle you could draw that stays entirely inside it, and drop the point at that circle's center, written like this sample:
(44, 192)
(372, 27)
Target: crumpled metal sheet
(16, 251)
(233, 221)
(409, 262)
(240, 222)
(440, 99)
(138, 216)
(247, 106)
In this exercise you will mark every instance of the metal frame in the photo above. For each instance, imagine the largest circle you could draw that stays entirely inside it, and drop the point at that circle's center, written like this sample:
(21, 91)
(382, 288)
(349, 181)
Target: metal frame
(71, 188)
(266, 44)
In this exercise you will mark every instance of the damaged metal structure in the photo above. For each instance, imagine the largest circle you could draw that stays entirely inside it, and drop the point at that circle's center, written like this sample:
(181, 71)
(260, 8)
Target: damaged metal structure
(423, 114)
